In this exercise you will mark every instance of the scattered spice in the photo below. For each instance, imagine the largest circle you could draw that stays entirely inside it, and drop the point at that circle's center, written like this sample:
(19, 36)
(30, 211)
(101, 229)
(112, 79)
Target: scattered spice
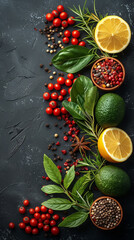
(80, 144)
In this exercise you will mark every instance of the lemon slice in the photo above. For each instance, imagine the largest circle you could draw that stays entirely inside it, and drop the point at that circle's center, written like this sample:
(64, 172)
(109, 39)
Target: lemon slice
(115, 145)
(112, 34)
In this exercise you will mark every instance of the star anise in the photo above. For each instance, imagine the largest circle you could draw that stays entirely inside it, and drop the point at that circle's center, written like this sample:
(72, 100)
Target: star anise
(80, 144)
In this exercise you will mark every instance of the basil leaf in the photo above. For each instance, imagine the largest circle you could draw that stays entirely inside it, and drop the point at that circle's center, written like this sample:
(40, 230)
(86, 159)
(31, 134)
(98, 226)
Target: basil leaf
(88, 196)
(74, 220)
(72, 59)
(91, 97)
(80, 86)
(51, 170)
(79, 186)
(58, 204)
(73, 109)
(50, 189)
(69, 177)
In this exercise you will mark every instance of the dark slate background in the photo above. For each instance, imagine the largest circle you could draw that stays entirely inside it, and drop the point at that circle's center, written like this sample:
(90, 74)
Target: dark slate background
(23, 135)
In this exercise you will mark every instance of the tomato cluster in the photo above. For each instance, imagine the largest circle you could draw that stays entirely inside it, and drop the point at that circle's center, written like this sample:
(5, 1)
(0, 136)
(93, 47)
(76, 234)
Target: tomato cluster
(40, 218)
(75, 34)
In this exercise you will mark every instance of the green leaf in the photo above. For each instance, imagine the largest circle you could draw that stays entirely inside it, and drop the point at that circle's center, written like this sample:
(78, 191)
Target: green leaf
(79, 186)
(50, 189)
(51, 170)
(58, 204)
(73, 109)
(80, 86)
(72, 59)
(88, 196)
(91, 97)
(74, 220)
(69, 177)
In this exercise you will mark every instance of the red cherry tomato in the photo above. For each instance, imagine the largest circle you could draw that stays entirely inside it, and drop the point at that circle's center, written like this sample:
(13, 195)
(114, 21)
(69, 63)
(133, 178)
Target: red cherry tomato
(43, 209)
(69, 90)
(49, 17)
(70, 76)
(68, 82)
(55, 13)
(26, 220)
(26, 202)
(40, 225)
(37, 215)
(52, 223)
(60, 8)
(50, 86)
(56, 112)
(65, 40)
(28, 229)
(35, 231)
(63, 15)
(50, 211)
(43, 216)
(46, 221)
(82, 43)
(60, 80)
(46, 95)
(74, 41)
(71, 21)
(56, 217)
(54, 95)
(63, 111)
(31, 211)
(74, 80)
(33, 222)
(22, 210)
(60, 98)
(56, 22)
(53, 104)
(22, 225)
(46, 228)
(55, 231)
(11, 225)
(69, 99)
(64, 23)
(63, 92)
(67, 33)
(49, 110)
(75, 33)
(57, 86)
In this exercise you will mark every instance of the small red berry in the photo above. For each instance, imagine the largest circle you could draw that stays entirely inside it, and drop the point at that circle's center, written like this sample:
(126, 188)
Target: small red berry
(71, 21)
(33, 222)
(69, 90)
(28, 229)
(60, 80)
(64, 152)
(56, 112)
(11, 225)
(50, 211)
(63, 92)
(56, 217)
(26, 203)
(40, 225)
(64, 111)
(47, 178)
(54, 95)
(65, 40)
(46, 221)
(22, 210)
(46, 228)
(53, 104)
(70, 76)
(49, 17)
(74, 41)
(60, 98)
(49, 110)
(58, 144)
(65, 138)
(68, 82)
(26, 220)
(35, 231)
(37, 209)
(75, 34)
(63, 15)
(31, 211)
(55, 231)
(40, 220)
(57, 86)
(22, 225)
(64, 23)
(50, 86)
(82, 43)
(55, 13)
(46, 95)
(69, 99)
(60, 8)
(67, 33)
(52, 223)
(56, 22)
(43, 209)
(48, 216)
(37, 215)
(43, 216)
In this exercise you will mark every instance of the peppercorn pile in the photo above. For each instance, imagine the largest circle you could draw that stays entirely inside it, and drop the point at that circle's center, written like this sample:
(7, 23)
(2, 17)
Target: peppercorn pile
(106, 213)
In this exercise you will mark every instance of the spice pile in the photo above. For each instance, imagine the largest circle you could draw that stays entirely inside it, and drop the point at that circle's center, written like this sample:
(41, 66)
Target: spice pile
(106, 213)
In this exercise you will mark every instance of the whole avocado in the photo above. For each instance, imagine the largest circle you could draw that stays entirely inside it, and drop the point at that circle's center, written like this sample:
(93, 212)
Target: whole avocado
(110, 110)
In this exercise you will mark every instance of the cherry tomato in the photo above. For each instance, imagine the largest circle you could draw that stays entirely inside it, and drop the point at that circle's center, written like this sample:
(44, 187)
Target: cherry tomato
(40, 225)
(43, 209)
(82, 43)
(26, 202)
(61, 80)
(56, 217)
(46, 228)
(63, 111)
(26, 220)
(28, 229)
(22, 225)
(43, 216)
(49, 110)
(33, 222)
(53, 104)
(22, 210)
(46, 95)
(74, 41)
(49, 17)
(71, 21)
(40, 220)
(63, 92)
(63, 15)
(55, 231)
(65, 40)
(56, 112)
(46, 221)
(68, 82)
(69, 90)
(74, 80)
(60, 8)
(60, 98)
(31, 211)
(69, 99)
(11, 225)
(50, 211)
(64, 23)
(57, 86)
(52, 223)
(37, 215)
(54, 95)
(35, 231)
(50, 86)
(55, 13)
(67, 33)
(75, 33)
(70, 76)
(56, 22)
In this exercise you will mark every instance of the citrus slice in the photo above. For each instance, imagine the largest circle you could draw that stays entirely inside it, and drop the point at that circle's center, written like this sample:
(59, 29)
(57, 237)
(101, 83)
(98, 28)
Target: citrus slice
(112, 34)
(115, 145)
